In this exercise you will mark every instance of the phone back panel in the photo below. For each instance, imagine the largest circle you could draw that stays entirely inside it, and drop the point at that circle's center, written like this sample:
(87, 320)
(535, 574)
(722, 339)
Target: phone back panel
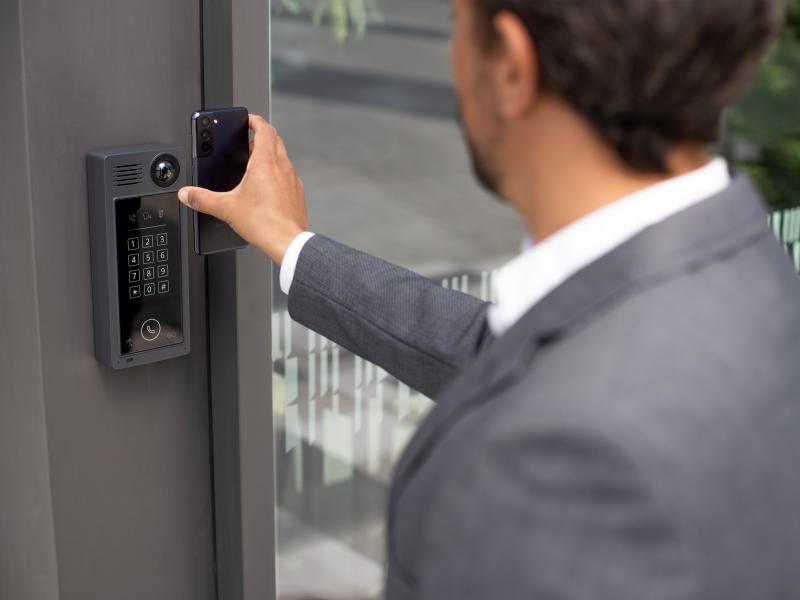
(219, 169)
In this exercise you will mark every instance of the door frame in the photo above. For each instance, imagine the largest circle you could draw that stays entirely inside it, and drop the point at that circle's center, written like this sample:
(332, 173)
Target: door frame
(236, 72)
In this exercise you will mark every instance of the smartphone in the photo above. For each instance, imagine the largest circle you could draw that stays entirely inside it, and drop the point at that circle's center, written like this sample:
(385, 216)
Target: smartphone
(220, 151)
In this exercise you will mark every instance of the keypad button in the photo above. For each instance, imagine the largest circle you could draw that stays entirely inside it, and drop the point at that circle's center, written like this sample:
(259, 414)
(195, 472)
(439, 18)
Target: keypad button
(134, 276)
(161, 239)
(133, 243)
(149, 289)
(163, 286)
(147, 257)
(163, 271)
(135, 292)
(147, 241)
(149, 272)
(163, 255)
(133, 260)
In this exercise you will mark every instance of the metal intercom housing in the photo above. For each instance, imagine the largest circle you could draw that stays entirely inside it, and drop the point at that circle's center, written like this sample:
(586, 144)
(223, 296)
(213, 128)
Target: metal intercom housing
(139, 254)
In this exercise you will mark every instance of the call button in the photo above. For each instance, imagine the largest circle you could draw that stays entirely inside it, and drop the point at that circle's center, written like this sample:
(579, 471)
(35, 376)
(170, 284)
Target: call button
(151, 329)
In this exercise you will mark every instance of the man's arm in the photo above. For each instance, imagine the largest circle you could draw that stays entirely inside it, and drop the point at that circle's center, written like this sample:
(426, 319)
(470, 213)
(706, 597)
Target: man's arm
(416, 330)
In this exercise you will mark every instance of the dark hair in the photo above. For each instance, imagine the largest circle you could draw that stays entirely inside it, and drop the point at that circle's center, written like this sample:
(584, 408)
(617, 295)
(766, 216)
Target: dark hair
(646, 73)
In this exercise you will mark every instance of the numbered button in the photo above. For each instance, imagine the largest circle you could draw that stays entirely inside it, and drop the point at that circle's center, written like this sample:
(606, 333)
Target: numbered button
(163, 271)
(162, 255)
(149, 272)
(149, 289)
(134, 276)
(133, 243)
(147, 241)
(135, 292)
(147, 257)
(163, 286)
(133, 260)
(161, 239)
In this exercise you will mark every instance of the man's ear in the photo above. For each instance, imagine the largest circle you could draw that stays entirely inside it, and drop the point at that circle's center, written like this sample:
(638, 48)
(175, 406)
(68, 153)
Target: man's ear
(516, 67)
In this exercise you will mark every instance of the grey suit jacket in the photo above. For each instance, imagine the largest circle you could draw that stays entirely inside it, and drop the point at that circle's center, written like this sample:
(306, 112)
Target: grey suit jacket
(636, 436)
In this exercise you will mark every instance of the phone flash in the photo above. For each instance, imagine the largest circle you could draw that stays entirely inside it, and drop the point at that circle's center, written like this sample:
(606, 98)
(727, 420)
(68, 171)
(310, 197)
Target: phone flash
(216, 120)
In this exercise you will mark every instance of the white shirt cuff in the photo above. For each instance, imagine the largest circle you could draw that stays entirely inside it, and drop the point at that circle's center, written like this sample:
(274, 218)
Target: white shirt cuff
(289, 263)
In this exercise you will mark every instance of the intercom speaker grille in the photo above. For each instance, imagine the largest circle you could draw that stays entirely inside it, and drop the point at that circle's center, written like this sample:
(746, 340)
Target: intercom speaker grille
(123, 175)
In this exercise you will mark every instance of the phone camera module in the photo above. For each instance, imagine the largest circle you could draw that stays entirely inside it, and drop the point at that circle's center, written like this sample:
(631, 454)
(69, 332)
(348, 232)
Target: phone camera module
(205, 147)
(205, 121)
(165, 170)
(205, 134)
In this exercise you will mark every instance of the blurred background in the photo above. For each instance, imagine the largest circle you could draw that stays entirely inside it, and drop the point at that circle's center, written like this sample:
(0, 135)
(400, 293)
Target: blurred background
(361, 93)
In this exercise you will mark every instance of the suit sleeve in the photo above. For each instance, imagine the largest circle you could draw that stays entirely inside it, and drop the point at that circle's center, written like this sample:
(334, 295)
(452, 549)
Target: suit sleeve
(403, 322)
(551, 517)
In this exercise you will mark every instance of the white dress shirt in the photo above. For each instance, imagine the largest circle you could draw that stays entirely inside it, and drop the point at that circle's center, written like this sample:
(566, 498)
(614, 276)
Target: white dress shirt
(543, 266)
(523, 282)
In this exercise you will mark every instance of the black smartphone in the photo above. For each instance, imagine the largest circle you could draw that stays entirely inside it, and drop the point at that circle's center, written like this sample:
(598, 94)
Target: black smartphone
(220, 151)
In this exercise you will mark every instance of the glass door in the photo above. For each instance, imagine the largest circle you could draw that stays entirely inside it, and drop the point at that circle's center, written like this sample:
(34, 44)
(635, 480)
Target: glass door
(361, 93)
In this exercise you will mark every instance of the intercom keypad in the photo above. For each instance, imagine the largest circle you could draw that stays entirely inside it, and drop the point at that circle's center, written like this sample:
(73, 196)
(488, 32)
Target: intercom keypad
(140, 267)
(148, 281)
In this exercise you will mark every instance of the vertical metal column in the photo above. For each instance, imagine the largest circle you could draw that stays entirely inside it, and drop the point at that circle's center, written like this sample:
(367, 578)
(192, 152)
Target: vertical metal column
(236, 73)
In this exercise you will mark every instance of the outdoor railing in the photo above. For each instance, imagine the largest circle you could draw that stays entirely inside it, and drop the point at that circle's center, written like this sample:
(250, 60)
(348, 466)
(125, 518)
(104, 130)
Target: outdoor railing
(785, 225)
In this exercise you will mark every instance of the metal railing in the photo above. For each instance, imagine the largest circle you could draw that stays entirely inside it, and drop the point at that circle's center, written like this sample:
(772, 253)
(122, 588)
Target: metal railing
(785, 224)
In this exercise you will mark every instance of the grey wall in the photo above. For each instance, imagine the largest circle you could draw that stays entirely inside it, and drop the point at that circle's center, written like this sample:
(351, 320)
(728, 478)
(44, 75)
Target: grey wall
(105, 488)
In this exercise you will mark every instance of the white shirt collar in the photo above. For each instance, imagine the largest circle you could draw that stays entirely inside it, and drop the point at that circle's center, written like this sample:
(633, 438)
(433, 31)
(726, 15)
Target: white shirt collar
(523, 282)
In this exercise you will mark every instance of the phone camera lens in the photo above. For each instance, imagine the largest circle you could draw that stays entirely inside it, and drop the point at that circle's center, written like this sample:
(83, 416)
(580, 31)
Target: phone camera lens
(205, 134)
(165, 170)
(205, 121)
(205, 147)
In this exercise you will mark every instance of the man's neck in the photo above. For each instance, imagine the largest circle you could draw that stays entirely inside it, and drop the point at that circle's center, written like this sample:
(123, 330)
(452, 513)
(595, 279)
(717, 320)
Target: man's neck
(562, 180)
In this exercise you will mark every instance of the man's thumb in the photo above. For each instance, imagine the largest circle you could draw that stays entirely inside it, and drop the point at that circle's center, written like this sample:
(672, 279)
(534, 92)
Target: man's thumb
(200, 199)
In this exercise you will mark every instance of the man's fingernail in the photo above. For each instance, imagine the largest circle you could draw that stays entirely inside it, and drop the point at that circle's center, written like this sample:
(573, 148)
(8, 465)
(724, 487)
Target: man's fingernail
(183, 196)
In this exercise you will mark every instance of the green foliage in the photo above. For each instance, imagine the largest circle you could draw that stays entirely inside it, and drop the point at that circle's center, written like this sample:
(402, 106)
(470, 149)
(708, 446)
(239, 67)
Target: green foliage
(767, 120)
(777, 173)
(344, 16)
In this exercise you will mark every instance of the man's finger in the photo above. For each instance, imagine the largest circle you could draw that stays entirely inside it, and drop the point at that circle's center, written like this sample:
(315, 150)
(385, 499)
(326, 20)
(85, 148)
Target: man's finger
(202, 200)
(257, 122)
(264, 137)
(280, 148)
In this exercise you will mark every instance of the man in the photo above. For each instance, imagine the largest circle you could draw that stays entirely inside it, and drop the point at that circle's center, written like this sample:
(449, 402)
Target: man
(624, 423)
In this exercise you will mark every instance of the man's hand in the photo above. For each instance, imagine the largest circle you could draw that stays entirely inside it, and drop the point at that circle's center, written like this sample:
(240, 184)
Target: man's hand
(268, 207)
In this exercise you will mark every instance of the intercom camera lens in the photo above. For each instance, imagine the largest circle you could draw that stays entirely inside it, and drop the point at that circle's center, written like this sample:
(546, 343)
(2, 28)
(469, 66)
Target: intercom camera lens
(205, 121)
(205, 134)
(165, 170)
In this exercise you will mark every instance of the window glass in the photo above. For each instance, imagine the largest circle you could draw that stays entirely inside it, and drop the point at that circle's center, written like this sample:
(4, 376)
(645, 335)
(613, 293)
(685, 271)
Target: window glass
(361, 93)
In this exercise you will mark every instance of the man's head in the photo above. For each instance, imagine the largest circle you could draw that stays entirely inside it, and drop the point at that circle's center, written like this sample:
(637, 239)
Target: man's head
(645, 76)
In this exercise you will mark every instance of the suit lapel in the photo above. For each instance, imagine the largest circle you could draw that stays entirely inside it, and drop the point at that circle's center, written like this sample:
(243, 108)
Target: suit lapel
(687, 240)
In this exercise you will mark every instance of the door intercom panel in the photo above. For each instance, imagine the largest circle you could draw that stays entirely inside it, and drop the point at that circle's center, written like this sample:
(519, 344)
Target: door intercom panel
(139, 250)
